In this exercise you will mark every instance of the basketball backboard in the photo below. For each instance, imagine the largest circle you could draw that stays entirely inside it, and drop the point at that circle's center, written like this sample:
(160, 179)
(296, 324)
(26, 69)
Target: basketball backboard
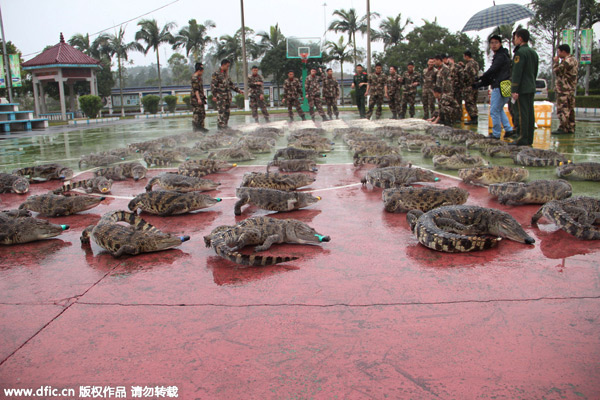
(297, 47)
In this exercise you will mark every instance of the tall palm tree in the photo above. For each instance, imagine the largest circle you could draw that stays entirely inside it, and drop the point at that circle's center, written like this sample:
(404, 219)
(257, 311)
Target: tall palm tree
(153, 36)
(116, 46)
(350, 23)
(392, 30)
(339, 51)
(270, 40)
(230, 47)
(194, 38)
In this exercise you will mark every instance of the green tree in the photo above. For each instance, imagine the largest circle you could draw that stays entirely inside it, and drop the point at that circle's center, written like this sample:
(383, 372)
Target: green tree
(391, 30)
(97, 49)
(116, 46)
(171, 102)
(349, 23)
(25, 76)
(271, 39)
(90, 105)
(194, 38)
(150, 103)
(230, 47)
(339, 52)
(180, 69)
(154, 36)
(276, 64)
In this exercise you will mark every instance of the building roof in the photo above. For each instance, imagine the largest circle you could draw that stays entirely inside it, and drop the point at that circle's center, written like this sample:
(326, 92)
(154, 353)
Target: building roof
(61, 54)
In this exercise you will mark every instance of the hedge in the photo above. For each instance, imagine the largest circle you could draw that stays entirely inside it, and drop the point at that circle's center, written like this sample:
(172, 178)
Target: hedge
(239, 101)
(587, 101)
(150, 103)
(187, 100)
(171, 102)
(90, 105)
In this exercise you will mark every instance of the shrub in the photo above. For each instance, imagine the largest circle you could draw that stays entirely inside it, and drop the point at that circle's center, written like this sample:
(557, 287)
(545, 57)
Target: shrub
(90, 105)
(587, 101)
(353, 96)
(239, 101)
(171, 102)
(211, 102)
(187, 100)
(267, 100)
(150, 103)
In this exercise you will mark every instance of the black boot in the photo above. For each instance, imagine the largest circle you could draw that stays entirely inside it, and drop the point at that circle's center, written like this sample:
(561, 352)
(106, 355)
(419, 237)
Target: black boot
(291, 119)
(267, 119)
(325, 118)
(337, 116)
(394, 116)
(303, 117)
(256, 119)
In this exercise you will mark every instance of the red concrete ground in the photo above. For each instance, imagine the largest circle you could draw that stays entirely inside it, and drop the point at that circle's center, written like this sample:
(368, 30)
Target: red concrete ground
(371, 314)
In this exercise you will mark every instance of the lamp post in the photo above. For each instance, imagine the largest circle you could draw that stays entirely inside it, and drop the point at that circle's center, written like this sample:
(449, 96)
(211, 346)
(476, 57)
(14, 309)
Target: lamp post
(244, 60)
(368, 37)
(8, 77)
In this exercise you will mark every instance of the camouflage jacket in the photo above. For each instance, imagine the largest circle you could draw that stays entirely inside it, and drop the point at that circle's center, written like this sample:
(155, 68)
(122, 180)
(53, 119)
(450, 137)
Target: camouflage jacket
(221, 85)
(470, 72)
(255, 85)
(444, 79)
(408, 79)
(292, 89)
(312, 84)
(394, 83)
(447, 103)
(429, 77)
(566, 74)
(377, 83)
(331, 88)
(456, 74)
(197, 87)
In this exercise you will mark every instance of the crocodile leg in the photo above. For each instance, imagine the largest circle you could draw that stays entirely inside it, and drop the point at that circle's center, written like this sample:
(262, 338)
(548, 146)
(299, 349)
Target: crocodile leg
(450, 225)
(291, 204)
(237, 209)
(85, 235)
(276, 238)
(412, 218)
(580, 215)
(539, 214)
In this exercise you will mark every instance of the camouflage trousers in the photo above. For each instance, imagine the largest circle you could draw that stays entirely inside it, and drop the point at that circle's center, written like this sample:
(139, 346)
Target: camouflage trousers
(198, 116)
(256, 102)
(470, 96)
(565, 109)
(394, 103)
(459, 101)
(293, 102)
(332, 108)
(447, 115)
(375, 99)
(408, 99)
(428, 103)
(223, 108)
(315, 102)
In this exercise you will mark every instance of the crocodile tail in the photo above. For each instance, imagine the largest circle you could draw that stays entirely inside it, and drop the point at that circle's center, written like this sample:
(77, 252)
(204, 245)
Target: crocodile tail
(253, 260)
(133, 204)
(149, 185)
(133, 220)
(70, 186)
(556, 214)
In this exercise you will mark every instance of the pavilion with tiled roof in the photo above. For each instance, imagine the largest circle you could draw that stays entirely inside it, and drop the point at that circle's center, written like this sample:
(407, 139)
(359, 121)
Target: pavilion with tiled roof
(64, 64)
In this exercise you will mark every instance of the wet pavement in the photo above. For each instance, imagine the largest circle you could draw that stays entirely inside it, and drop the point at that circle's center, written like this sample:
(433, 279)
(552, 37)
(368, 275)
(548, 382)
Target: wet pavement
(371, 314)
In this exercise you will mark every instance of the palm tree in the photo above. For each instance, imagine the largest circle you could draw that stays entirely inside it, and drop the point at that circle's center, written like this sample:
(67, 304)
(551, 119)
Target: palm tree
(194, 38)
(154, 36)
(339, 52)
(116, 46)
(350, 23)
(230, 47)
(271, 39)
(95, 49)
(392, 31)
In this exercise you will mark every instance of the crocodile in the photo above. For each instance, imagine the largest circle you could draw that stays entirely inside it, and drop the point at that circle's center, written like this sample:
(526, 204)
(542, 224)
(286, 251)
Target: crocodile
(585, 171)
(10, 183)
(134, 170)
(534, 192)
(404, 199)
(163, 157)
(444, 150)
(322, 145)
(261, 232)
(460, 228)
(576, 216)
(144, 146)
(276, 181)
(181, 183)
(461, 137)
(272, 199)
(45, 172)
(458, 161)
(98, 160)
(388, 177)
(257, 144)
(18, 226)
(209, 142)
(539, 158)
(114, 173)
(440, 131)
(293, 165)
(479, 143)
(166, 203)
(237, 153)
(293, 153)
(136, 238)
(200, 168)
(388, 160)
(389, 132)
(123, 152)
(355, 144)
(99, 184)
(53, 205)
(415, 145)
(488, 175)
(375, 149)
(501, 151)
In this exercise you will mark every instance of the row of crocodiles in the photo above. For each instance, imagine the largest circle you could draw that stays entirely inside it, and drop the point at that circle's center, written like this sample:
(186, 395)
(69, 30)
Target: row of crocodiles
(438, 217)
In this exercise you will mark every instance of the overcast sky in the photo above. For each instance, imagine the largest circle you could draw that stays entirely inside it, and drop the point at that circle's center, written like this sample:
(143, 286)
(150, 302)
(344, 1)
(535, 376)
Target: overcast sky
(34, 24)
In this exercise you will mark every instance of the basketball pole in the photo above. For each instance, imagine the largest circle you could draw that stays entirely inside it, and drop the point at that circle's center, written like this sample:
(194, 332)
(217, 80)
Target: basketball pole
(304, 106)
(244, 60)
(368, 37)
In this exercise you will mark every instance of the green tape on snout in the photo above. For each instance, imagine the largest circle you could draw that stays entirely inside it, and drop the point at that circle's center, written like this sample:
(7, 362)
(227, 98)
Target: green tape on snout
(218, 199)
(436, 179)
(64, 227)
(321, 237)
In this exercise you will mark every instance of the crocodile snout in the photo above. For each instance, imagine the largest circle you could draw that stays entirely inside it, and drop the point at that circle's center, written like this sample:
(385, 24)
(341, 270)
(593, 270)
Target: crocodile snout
(529, 240)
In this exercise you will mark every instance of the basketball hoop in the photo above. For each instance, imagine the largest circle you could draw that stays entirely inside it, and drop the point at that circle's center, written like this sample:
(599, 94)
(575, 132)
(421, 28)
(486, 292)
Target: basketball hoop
(304, 57)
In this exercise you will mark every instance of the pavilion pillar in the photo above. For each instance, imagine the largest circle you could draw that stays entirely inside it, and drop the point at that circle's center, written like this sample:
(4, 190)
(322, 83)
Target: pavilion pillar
(71, 97)
(61, 91)
(93, 84)
(36, 99)
(43, 106)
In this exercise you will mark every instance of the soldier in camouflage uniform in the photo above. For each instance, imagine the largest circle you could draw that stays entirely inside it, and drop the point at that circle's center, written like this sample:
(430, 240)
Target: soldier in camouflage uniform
(256, 94)
(429, 77)
(292, 90)
(470, 74)
(221, 87)
(312, 85)
(331, 92)
(447, 108)
(566, 84)
(394, 85)
(456, 74)
(377, 88)
(443, 78)
(410, 80)
(198, 99)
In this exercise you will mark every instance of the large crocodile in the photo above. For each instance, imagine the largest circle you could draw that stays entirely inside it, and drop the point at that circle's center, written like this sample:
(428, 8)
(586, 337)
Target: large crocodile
(135, 238)
(261, 232)
(53, 205)
(293, 165)
(488, 175)
(293, 153)
(431, 150)
(10, 183)
(585, 171)
(257, 144)
(181, 183)
(539, 158)
(576, 216)
(272, 199)
(534, 192)
(501, 151)
(45, 172)
(200, 168)
(404, 199)
(18, 226)
(320, 144)
(166, 203)
(458, 229)
(276, 181)
(458, 161)
(236, 153)
(389, 177)
(98, 160)
(123, 171)
(98, 184)
(388, 160)
(163, 157)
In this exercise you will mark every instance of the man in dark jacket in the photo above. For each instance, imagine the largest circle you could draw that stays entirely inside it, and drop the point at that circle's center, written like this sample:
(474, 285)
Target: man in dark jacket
(499, 71)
